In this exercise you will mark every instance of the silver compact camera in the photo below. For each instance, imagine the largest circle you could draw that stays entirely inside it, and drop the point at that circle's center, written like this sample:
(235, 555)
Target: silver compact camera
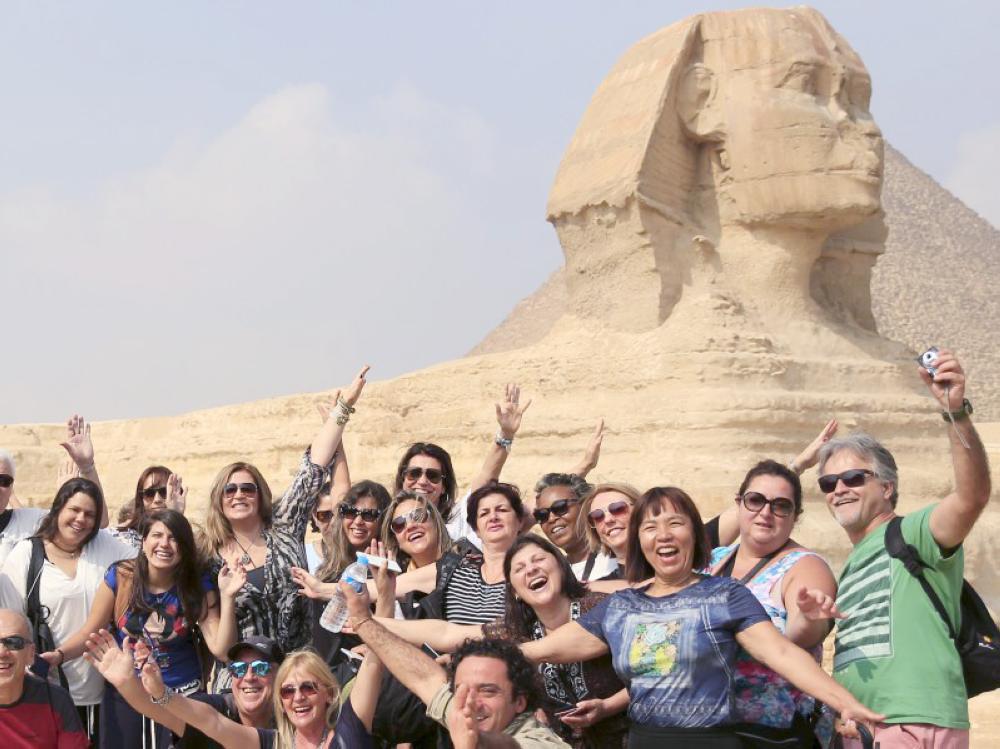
(928, 359)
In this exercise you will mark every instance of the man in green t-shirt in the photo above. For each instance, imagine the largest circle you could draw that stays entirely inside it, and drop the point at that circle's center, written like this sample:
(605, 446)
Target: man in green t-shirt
(893, 651)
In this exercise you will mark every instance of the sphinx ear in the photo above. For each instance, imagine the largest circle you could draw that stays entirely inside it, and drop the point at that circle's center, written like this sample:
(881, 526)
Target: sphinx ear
(697, 105)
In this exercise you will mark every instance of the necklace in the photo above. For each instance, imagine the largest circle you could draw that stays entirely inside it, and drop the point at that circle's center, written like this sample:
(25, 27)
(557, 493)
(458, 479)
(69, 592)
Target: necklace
(246, 559)
(68, 554)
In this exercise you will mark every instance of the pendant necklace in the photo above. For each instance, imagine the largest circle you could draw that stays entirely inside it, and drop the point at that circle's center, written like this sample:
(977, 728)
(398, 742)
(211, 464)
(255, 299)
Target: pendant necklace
(245, 559)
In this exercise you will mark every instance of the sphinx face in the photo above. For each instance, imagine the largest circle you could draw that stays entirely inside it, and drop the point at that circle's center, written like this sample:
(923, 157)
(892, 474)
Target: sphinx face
(799, 145)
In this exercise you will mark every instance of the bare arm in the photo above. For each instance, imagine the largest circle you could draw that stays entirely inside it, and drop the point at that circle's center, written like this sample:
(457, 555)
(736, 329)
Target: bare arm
(953, 518)
(364, 695)
(100, 615)
(810, 453)
(567, 644)
(809, 592)
(441, 635)
(509, 415)
(218, 619)
(729, 525)
(80, 448)
(340, 481)
(325, 443)
(766, 644)
(592, 453)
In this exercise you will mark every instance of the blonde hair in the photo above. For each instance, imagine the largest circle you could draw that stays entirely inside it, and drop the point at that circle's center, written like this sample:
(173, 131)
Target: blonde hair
(583, 526)
(218, 531)
(310, 662)
(389, 538)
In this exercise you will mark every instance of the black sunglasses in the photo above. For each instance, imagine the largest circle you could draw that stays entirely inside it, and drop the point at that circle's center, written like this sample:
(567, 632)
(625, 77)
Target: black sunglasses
(6, 480)
(852, 479)
(558, 508)
(324, 516)
(13, 642)
(433, 474)
(782, 507)
(619, 507)
(239, 668)
(248, 489)
(308, 689)
(350, 511)
(416, 515)
(154, 490)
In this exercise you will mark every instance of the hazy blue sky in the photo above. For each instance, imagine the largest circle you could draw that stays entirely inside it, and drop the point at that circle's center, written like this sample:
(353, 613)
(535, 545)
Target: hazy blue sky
(205, 203)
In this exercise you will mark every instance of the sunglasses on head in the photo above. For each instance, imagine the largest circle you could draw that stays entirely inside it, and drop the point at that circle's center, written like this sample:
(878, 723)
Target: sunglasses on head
(6, 480)
(324, 516)
(416, 515)
(781, 507)
(239, 668)
(307, 688)
(248, 489)
(350, 511)
(13, 642)
(154, 490)
(852, 479)
(618, 507)
(433, 474)
(558, 508)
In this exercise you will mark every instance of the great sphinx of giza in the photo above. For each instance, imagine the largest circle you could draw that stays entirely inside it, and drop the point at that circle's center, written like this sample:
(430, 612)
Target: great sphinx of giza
(719, 210)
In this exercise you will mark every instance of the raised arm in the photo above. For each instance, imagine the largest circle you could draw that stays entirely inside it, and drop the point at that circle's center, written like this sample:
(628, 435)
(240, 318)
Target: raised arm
(340, 475)
(952, 519)
(218, 616)
(810, 453)
(80, 448)
(592, 453)
(118, 669)
(365, 694)
(568, 644)
(509, 413)
(766, 644)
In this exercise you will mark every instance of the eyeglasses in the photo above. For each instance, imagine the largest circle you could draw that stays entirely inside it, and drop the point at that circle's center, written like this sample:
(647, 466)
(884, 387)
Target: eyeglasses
(239, 668)
(619, 507)
(154, 490)
(558, 508)
(852, 479)
(13, 642)
(782, 507)
(324, 516)
(307, 688)
(350, 511)
(248, 489)
(433, 474)
(6, 480)
(415, 516)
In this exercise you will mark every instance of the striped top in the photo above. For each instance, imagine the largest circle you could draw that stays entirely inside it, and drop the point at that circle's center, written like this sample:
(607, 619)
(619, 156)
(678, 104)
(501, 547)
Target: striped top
(469, 599)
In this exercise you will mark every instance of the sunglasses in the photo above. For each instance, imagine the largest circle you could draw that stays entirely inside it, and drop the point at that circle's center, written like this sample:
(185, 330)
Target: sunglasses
(852, 479)
(780, 506)
(558, 508)
(324, 516)
(349, 511)
(415, 516)
(248, 489)
(307, 688)
(6, 480)
(13, 642)
(154, 490)
(239, 668)
(433, 474)
(619, 507)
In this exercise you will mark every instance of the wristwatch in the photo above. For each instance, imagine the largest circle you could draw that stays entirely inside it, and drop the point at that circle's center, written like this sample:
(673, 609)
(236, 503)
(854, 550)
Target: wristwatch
(963, 413)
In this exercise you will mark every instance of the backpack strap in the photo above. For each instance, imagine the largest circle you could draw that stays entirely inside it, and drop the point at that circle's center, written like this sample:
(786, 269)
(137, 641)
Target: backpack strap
(897, 547)
(124, 574)
(33, 600)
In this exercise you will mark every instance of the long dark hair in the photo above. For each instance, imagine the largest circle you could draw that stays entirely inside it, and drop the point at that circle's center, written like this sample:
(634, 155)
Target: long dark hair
(520, 616)
(338, 553)
(49, 526)
(187, 574)
(446, 504)
(138, 505)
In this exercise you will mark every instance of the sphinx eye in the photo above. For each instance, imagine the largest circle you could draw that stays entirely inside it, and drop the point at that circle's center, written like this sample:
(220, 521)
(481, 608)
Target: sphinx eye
(801, 77)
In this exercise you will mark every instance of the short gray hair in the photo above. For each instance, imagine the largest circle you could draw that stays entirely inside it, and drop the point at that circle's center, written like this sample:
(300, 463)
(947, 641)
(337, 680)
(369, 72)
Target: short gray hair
(6, 457)
(576, 483)
(867, 448)
(24, 622)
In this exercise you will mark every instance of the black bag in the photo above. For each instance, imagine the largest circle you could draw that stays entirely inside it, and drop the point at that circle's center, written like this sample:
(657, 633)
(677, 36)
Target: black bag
(977, 639)
(38, 614)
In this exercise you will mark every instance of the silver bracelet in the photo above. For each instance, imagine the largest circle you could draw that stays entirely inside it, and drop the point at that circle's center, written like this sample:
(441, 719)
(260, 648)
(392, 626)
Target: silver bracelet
(161, 701)
(503, 442)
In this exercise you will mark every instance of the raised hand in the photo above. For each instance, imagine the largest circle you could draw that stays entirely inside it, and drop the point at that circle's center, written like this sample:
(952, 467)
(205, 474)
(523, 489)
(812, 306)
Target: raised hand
(816, 605)
(385, 581)
(111, 662)
(359, 605)
(462, 721)
(810, 455)
(352, 392)
(78, 443)
(232, 579)
(948, 385)
(592, 453)
(510, 411)
(149, 670)
(310, 586)
(176, 493)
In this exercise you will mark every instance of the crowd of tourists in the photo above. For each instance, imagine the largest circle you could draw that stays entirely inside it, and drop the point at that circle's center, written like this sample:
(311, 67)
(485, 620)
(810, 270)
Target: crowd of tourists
(577, 614)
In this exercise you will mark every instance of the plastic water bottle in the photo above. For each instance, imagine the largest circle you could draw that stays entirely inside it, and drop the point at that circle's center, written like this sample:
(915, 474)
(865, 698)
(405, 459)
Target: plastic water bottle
(335, 614)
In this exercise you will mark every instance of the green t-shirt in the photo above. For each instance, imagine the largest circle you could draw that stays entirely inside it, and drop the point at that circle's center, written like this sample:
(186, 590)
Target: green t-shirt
(893, 651)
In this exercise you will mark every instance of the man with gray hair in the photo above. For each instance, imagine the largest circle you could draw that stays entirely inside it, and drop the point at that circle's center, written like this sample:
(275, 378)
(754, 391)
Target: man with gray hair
(16, 522)
(893, 651)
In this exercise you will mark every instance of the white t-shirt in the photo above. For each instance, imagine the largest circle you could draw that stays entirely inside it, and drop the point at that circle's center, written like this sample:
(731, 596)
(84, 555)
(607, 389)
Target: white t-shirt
(23, 523)
(458, 526)
(603, 565)
(69, 600)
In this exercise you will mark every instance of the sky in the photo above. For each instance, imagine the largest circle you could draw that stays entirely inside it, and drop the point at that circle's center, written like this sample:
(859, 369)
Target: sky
(209, 203)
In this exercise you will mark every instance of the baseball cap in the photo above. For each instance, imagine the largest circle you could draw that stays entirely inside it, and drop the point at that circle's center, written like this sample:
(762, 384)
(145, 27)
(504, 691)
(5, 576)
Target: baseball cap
(264, 645)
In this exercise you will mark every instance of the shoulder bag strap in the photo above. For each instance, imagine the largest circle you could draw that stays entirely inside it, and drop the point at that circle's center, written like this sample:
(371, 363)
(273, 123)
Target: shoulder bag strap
(33, 599)
(727, 569)
(897, 547)
(589, 567)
